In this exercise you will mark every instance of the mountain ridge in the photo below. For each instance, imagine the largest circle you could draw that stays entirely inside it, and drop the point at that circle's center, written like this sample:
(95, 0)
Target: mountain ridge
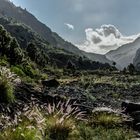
(8, 9)
(125, 54)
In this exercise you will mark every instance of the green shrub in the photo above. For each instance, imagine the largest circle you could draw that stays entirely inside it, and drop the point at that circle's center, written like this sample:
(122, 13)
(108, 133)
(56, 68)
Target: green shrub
(17, 70)
(101, 133)
(28, 79)
(6, 92)
(21, 132)
(7, 81)
(3, 62)
(107, 118)
(61, 120)
(53, 71)
(59, 129)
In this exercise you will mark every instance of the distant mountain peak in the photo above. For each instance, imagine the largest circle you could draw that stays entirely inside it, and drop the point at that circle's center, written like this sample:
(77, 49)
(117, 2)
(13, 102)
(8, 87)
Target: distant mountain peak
(125, 54)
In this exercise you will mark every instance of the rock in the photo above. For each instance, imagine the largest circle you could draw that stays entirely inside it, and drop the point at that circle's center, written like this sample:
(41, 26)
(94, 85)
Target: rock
(50, 83)
(130, 107)
(133, 109)
(136, 116)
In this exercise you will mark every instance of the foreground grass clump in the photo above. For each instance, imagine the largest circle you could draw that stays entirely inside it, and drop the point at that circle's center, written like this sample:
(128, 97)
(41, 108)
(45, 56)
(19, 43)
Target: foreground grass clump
(17, 70)
(107, 117)
(6, 92)
(59, 128)
(62, 121)
(21, 132)
(6, 85)
(101, 133)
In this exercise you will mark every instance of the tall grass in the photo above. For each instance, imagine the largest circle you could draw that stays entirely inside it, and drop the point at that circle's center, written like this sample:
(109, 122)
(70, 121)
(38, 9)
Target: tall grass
(7, 81)
(63, 121)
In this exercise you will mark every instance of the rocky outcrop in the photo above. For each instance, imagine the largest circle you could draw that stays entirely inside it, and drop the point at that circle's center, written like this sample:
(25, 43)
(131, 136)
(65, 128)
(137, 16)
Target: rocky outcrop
(133, 109)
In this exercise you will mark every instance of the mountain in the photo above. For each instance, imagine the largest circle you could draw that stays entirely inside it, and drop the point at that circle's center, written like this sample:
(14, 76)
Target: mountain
(8, 9)
(136, 60)
(42, 52)
(125, 54)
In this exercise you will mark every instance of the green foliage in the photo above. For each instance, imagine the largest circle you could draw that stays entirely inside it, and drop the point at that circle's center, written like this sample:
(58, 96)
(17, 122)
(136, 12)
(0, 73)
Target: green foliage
(106, 119)
(5, 40)
(37, 55)
(21, 132)
(6, 92)
(16, 54)
(50, 70)
(30, 71)
(10, 47)
(61, 120)
(17, 70)
(6, 86)
(100, 133)
(4, 61)
(63, 124)
(58, 129)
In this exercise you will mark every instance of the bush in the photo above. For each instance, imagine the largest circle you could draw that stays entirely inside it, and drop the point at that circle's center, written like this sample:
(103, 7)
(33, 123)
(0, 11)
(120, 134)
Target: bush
(53, 71)
(59, 129)
(30, 71)
(17, 71)
(21, 132)
(61, 120)
(3, 61)
(6, 92)
(7, 82)
(107, 117)
(101, 133)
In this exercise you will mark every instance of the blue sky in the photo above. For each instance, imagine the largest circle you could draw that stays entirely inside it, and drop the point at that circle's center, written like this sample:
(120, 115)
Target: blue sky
(84, 14)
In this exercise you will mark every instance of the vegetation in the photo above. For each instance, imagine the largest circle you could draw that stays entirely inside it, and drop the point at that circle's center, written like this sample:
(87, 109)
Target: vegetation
(6, 86)
(26, 59)
(56, 126)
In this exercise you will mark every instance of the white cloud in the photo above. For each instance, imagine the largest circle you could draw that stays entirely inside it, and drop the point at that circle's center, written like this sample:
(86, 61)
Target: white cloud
(104, 39)
(70, 26)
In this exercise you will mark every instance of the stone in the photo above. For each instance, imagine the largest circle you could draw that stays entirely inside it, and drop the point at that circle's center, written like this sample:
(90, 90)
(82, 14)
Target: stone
(136, 116)
(50, 83)
(130, 107)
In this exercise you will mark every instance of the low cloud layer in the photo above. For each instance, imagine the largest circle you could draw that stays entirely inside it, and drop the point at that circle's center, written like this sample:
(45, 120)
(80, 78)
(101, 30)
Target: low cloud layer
(69, 26)
(102, 40)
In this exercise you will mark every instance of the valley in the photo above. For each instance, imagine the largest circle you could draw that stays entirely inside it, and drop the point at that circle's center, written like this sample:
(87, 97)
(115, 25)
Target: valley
(52, 90)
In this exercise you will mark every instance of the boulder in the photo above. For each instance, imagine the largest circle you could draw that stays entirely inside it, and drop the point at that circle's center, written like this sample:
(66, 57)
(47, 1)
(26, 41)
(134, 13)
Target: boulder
(136, 116)
(50, 83)
(130, 107)
(133, 109)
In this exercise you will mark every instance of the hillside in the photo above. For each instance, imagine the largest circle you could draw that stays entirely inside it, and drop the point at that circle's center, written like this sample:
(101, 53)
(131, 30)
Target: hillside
(46, 53)
(125, 54)
(51, 90)
(22, 15)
